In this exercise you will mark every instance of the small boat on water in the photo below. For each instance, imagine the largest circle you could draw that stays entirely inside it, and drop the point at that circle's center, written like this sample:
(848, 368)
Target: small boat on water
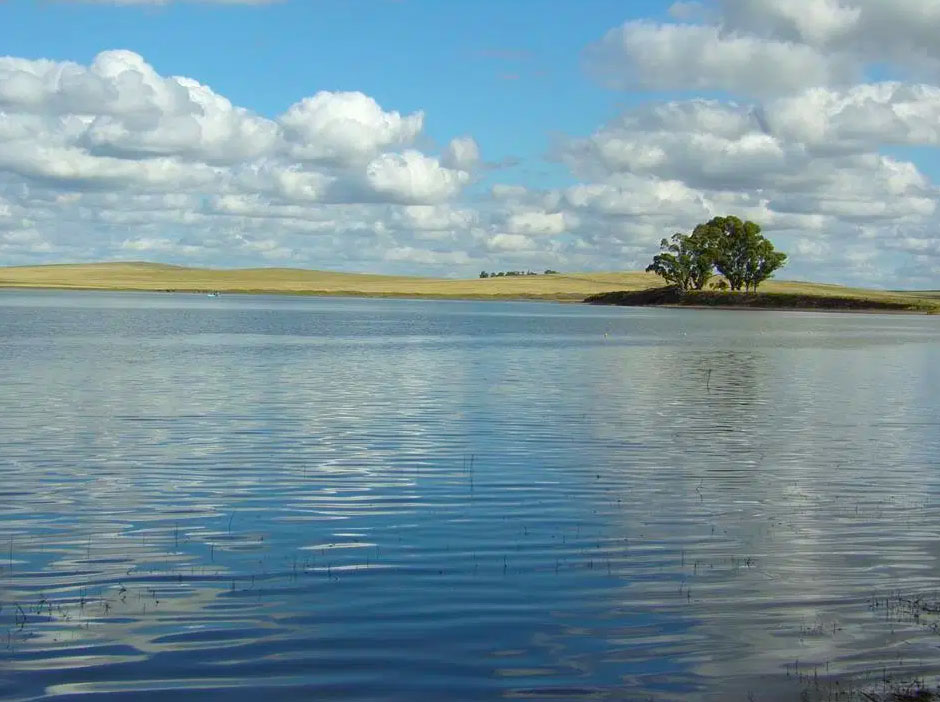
(214, 293)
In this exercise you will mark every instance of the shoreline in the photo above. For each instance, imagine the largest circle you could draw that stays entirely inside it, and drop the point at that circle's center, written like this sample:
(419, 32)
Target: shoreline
(669, 296)
(566, 298)
(612, 287)
(561, 298)
(827, 310)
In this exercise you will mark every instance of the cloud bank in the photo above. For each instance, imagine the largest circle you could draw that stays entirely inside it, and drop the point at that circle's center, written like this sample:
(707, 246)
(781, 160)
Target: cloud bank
(774, 113)
(110, 158)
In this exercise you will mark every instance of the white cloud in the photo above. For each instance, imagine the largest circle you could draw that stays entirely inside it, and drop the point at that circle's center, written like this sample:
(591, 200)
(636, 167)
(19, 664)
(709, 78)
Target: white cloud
(902, 31)
(642, 54)
(537, 223)
(149, 245)
(816, 22)
(103, 159)
(120, 107)
(802, 149)
(761, 47)
(345, 127)
(885, 113)
(429, 218)
(462, 153)
(118, 124)
(703, 143)
(510, 242)
(784, 145)
(88, 152)
(799, 164)
(75, 168)
(426, 257)
(412, 177)
(639, 197)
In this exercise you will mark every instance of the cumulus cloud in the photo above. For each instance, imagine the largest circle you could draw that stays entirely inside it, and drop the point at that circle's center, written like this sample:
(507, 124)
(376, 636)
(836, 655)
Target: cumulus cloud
(887, 113)
(427, 257)
(791, 168)
(412, 177)
(510, 242)
(643, 54)
(436, 218)
(462, 154)
(807, 146)
(345, 127)
(118, 123)
(704, 143)
(538, 223)
(628, 195)
(88, 151)
(779, 120)
(762, 47)
(872, 30)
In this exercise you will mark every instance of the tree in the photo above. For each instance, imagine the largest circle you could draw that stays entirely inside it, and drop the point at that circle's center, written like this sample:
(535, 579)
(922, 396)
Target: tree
(740, 252)
(686, 261)
(736, 248)
(484, 274)
(705, 249)
(762, 264)
(674, 264)
(733, 242)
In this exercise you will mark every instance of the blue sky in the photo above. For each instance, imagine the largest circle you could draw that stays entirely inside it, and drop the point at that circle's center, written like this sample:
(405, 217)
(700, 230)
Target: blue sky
(422, 136)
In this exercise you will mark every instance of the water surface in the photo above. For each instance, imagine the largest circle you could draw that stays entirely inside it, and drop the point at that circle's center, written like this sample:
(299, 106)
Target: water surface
(321, 498)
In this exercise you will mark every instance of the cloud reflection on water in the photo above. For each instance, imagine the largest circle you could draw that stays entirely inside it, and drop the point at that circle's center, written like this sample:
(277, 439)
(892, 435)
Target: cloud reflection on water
(495, 498)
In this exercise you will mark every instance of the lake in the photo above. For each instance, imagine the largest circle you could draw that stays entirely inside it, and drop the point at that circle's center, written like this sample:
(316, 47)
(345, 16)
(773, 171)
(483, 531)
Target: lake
(329, 498)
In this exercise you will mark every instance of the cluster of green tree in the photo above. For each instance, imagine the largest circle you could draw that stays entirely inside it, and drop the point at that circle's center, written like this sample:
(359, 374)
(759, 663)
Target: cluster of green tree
(736, 249)
(501, 274)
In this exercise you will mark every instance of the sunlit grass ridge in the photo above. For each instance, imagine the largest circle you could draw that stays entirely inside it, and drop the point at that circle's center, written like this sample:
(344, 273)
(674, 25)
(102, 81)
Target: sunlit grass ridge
(562, 286)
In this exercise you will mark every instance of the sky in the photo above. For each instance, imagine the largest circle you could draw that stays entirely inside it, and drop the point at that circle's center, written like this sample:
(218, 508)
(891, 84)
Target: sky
(445, 138)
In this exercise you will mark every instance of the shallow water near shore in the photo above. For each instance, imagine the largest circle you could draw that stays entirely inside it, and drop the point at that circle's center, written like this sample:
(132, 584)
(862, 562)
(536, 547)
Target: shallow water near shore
(327, 498)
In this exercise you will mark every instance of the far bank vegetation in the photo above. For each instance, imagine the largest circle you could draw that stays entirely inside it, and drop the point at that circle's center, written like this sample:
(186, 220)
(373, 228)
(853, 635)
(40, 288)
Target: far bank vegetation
(722, 263)
(728, 246)
(511, 274)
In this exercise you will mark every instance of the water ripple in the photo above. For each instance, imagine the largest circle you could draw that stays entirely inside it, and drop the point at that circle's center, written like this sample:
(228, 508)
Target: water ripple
(361, 499)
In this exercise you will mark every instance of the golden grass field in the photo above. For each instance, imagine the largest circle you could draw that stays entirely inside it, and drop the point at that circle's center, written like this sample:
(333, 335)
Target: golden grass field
(569, 287)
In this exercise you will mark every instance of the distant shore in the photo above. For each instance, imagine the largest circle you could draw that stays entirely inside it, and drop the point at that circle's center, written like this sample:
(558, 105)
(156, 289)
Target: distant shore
(500, 297)
(630, 287)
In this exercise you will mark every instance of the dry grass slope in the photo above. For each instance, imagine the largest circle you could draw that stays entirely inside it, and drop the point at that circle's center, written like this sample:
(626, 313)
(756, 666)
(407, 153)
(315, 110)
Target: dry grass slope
(574, 286)
(150, 276)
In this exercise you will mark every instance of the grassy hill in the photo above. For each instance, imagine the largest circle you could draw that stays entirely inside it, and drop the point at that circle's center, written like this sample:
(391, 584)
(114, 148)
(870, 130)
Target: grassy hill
(573, 286)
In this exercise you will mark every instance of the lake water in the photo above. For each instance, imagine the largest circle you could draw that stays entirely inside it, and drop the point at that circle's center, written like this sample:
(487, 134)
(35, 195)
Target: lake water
(290, 498)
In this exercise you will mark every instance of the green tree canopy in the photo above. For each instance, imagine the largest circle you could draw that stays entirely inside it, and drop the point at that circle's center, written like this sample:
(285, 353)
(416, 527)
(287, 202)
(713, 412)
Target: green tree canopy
(687, 261)
(674, 264)
(737, 249)
(764, 260)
